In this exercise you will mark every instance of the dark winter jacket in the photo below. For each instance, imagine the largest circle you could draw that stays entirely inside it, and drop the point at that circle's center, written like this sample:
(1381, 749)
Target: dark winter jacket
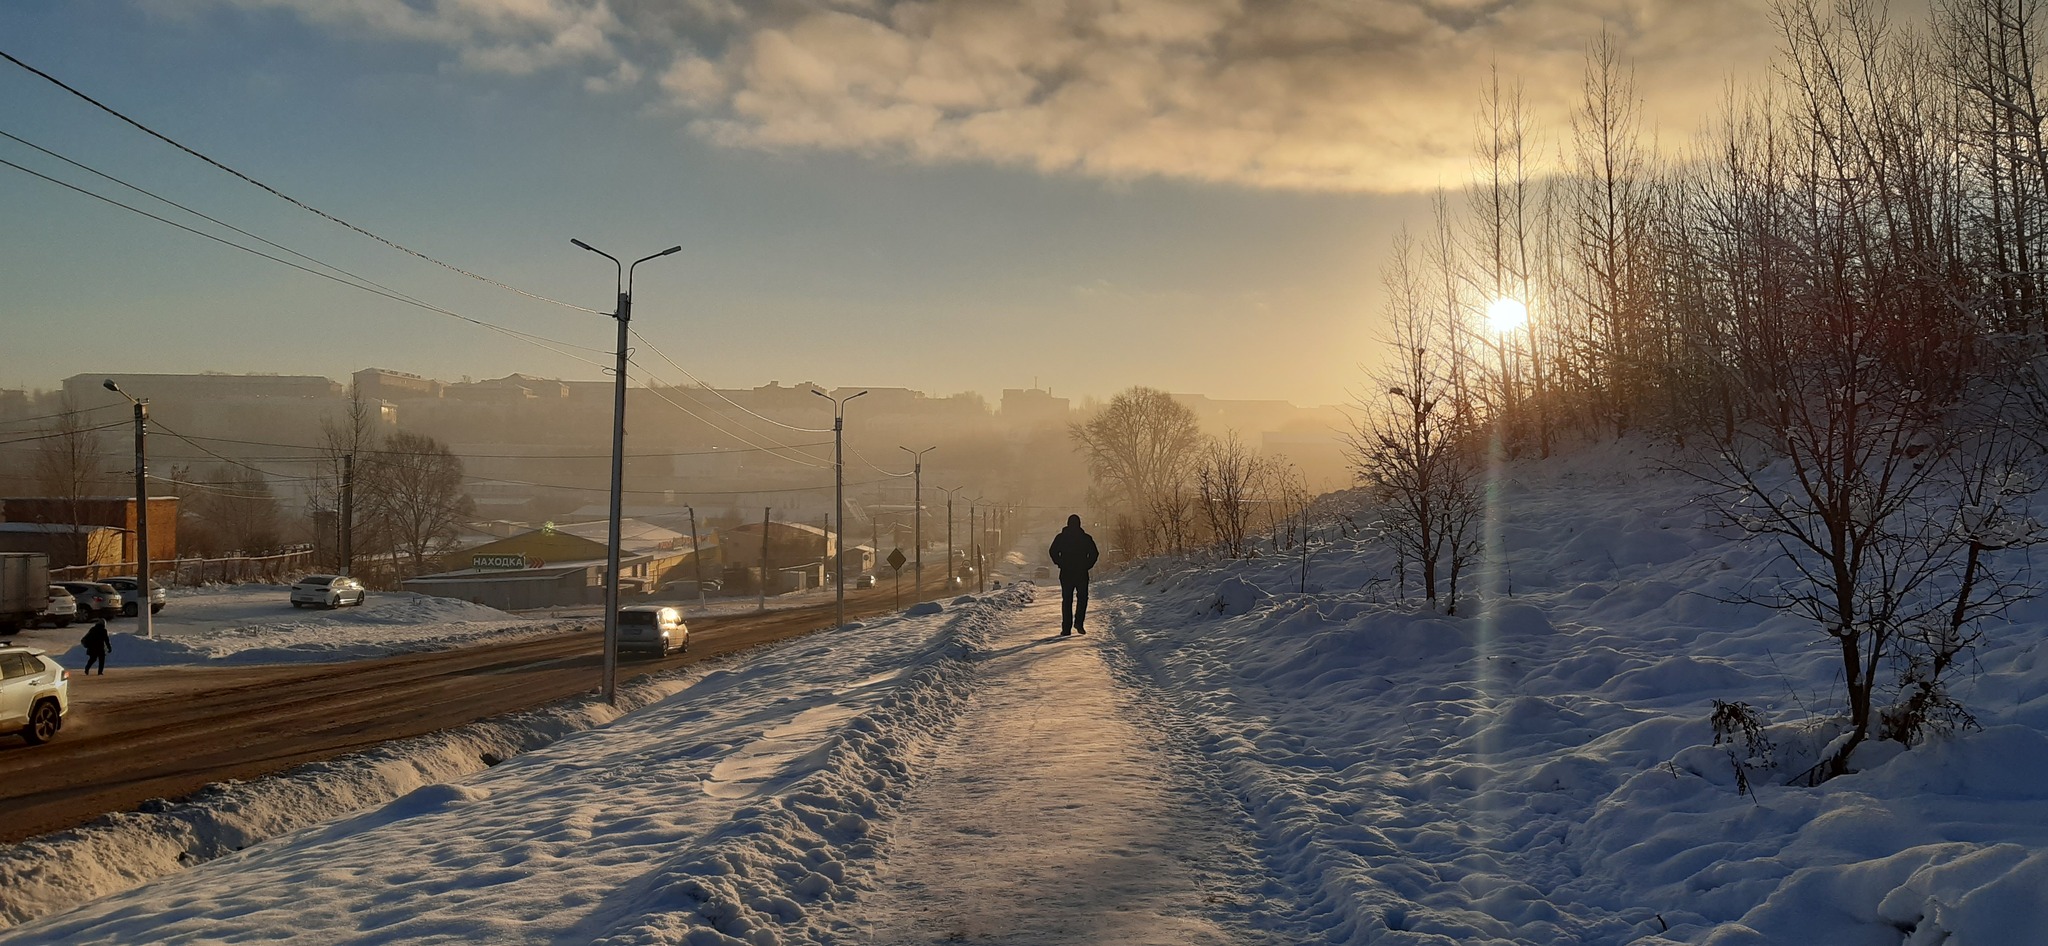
(97, 641)
(1073, 550)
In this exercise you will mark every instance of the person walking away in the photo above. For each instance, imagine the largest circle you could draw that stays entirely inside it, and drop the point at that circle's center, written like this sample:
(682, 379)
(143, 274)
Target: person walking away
(1073, 550)
(97, 642)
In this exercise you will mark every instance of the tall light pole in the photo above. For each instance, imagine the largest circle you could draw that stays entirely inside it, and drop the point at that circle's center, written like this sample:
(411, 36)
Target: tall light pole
(950, 493)
(623, 277)
(143, 615)
(917, 504)
(974, 539)
(839, 494)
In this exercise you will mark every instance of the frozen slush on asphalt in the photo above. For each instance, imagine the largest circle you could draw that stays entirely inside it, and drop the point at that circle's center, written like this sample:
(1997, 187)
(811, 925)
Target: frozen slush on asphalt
(1279, 757)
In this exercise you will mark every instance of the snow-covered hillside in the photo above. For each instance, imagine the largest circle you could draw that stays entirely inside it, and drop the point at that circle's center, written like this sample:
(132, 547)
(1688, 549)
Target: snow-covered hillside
(1540, 771)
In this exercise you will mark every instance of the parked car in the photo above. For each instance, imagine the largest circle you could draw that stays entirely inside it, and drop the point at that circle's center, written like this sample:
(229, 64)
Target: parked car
(35, 694)
(96, 599)
(62, 609)
(864, 581)
(327, 591)
(128, 587)
(651, 627)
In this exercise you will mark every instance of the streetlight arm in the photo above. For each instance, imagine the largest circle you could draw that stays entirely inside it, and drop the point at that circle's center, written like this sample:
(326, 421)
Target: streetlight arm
(619, 278)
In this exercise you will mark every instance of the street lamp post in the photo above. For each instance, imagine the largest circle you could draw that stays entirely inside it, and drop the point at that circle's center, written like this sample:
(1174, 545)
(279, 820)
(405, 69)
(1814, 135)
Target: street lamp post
(623, 277)
(917, 504)
(839, 494)
(981, 549)
(950, 493)
(143, 615)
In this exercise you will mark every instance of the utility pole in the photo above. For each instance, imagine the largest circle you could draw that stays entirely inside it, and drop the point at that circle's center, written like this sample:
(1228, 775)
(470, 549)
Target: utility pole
(622, 315)
(143, 615)
(348, 514)
(762, 586)
(917, 502)
(839, 494)
(697, 557)
(950, 493)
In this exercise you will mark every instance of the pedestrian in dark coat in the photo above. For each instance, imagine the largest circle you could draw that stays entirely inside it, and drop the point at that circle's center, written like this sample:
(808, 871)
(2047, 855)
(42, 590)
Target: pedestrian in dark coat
(97, 642)
(1073, 550)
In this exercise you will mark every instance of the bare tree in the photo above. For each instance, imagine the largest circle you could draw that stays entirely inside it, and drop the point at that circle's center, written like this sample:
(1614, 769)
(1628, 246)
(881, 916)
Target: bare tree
(1417, 451)
(349, 440)
(412, 489)
(1609, 206)
(1141, 449)
(1859, 457)
(1500, 228)
(72, 465)
(1988, 50)
(1232, 482)
(241, 509)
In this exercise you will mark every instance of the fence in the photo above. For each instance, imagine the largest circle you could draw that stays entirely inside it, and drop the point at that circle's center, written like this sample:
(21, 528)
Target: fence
(280, 569)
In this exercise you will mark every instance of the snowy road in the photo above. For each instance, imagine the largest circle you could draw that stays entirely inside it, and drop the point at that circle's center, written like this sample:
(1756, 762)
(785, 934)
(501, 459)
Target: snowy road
(1052, 814)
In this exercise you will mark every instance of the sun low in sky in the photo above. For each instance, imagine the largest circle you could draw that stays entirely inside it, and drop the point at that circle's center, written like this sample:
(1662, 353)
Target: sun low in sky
(946, 196)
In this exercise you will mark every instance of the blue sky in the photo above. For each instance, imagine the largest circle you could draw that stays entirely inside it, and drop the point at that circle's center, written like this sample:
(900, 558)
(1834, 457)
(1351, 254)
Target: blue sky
(969, 196)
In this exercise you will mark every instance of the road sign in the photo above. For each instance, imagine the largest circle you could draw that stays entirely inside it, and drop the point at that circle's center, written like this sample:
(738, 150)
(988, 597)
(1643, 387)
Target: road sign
(896, 559)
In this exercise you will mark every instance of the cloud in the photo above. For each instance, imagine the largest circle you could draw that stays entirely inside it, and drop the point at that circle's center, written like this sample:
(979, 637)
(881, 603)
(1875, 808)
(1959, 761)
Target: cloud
(1342, 95)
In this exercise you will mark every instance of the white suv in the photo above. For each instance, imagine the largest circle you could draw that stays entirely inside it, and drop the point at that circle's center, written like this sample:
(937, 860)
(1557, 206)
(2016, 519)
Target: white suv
(327, 591)
(130, 594)
(35, 693)
(652, 627)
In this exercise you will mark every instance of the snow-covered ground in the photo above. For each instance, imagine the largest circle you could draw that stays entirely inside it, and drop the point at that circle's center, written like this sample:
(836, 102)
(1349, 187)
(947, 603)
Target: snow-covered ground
(1229, 757)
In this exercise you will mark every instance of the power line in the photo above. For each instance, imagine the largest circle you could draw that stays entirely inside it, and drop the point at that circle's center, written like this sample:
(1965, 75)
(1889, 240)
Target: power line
(662, 492)
(233, 462)
(69, 413)
(800, 458)
(535, 340)
(282, 195)
(364, 280)
(64, 433)
(493, 456)
(721, 396)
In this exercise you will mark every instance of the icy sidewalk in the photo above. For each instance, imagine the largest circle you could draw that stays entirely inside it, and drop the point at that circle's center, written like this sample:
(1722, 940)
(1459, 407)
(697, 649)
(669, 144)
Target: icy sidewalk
(1051, 814)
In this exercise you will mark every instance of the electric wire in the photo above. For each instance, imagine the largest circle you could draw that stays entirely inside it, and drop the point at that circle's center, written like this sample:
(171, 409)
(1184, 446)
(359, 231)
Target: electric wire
(804, 459)
(69, 413)
(282, 195)
(871, 465)
(535, 340)
(664, 492)
(700, 383)
(483, 456)
(200, 214)
(234, 462)
(116, 425)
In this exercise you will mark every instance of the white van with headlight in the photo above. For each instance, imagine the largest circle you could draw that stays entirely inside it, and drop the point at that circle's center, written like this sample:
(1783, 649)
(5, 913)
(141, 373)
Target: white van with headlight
(653, 628)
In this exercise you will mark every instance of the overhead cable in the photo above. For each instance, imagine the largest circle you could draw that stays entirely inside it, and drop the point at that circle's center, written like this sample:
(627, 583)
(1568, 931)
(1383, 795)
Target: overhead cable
(535, 340)
(282, 195)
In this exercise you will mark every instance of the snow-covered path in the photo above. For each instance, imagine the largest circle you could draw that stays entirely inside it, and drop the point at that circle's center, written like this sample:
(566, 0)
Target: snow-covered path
(1051, 814)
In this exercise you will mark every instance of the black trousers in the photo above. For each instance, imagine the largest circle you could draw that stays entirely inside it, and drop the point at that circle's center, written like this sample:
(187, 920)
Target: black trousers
(1073, 602)
(95, 657)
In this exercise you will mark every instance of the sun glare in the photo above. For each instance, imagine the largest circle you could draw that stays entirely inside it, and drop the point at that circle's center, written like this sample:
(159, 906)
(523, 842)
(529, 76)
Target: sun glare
(1504, 315)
